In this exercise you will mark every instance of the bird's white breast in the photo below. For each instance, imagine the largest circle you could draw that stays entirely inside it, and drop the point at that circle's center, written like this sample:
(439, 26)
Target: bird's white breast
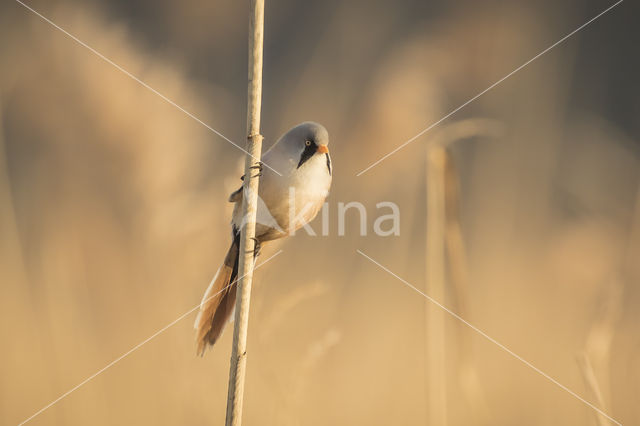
(289, 201)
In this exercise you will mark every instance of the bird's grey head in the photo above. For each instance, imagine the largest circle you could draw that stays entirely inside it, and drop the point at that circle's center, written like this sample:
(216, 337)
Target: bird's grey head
(306, 140)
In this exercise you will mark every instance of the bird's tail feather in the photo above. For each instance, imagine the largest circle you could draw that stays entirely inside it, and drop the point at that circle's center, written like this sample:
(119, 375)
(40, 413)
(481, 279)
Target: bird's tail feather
(218, 303)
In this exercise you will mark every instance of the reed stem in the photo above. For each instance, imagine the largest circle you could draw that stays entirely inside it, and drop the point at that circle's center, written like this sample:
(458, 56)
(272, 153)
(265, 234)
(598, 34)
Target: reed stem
(252, 169)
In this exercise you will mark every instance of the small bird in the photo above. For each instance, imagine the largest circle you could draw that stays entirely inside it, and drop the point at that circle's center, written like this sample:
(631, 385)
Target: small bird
(285, 203)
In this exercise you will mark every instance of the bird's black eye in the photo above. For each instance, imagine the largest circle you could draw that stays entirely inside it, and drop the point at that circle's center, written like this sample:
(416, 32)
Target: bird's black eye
(307, 143)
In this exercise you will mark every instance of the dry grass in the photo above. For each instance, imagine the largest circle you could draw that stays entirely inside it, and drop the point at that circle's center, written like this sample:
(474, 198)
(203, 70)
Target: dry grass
(111, 202)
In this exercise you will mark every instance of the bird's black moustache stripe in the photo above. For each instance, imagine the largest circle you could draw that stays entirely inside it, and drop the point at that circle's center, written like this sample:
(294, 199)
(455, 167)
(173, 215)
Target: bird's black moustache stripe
(308, 152)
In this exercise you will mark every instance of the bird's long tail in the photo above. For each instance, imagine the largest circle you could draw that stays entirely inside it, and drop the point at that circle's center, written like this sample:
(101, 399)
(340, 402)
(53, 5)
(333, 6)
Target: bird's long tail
(219, 301)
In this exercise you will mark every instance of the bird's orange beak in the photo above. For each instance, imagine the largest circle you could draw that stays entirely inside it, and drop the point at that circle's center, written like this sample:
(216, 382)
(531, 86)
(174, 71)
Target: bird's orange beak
(323, 149)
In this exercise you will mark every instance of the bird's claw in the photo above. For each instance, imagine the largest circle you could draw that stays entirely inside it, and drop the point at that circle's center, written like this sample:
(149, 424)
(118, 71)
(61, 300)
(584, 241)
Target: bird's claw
(259, 166)
(256, 248)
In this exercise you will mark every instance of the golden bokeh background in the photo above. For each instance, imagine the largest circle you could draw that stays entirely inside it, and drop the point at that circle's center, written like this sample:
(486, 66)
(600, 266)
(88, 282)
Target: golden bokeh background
(113, 212)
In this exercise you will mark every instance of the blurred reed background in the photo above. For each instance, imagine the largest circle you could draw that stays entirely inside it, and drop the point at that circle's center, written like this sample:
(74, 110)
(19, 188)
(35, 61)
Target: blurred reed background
(113, 213)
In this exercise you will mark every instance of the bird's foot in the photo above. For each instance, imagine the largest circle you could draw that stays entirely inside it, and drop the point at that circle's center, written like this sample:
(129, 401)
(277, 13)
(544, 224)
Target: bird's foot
(259, 166)
(256, 248)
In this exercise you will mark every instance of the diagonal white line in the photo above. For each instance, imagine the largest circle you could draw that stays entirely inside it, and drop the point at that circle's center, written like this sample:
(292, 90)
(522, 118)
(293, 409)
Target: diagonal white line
(491, 339)
(133, 349)
(109, 61)
(489, 88)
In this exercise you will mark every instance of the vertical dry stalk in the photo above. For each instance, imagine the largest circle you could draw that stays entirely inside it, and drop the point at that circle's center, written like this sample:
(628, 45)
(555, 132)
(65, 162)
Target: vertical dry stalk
(456, 253)
(597, 352)
(599, 340)
(249, 207)
(458, 278)
(11, 250)
(445, 242)
(592, 384)
(435, 276)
